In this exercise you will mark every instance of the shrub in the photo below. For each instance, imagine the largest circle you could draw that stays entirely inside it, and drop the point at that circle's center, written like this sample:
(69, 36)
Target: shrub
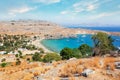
(76, 53)
(31, 47)
(20, 53)
(16, 55)
(66, 53)
(18, 62)
(51, 57)
(36, 57)
(41, 50)
(85, 49)
(3, 60)
(3, 64)
(28, 59)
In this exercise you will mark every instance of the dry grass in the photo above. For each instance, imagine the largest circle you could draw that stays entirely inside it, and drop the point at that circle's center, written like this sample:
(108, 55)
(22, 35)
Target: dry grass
(71, 78)
(68, 69)
(109, 61)
(93, 62)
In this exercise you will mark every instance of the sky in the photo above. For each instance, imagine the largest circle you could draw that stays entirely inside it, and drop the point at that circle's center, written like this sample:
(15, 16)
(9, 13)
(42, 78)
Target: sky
(90, 12)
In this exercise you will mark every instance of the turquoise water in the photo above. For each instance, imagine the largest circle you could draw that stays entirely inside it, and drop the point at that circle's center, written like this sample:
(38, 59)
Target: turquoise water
(57, 45)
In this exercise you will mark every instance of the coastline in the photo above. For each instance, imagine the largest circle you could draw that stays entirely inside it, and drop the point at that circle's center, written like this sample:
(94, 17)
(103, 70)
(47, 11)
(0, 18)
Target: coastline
(80, 39)
(45, 30)
(38, 43)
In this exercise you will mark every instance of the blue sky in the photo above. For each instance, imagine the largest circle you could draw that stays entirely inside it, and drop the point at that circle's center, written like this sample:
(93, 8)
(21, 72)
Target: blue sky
(89, 12)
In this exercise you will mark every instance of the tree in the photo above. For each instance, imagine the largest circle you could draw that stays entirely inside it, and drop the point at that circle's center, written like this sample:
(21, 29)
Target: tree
(20, 54)
(3, 64)
(41, 50)
(28, 59)
(36, 57)
(76, 53)
(49, 57)
(18, 62)
(85, 49)
(16, 55)
(66, 53)
(102, 43)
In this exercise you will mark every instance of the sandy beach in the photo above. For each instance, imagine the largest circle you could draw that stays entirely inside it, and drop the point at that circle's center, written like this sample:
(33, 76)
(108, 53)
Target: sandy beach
(38, 43)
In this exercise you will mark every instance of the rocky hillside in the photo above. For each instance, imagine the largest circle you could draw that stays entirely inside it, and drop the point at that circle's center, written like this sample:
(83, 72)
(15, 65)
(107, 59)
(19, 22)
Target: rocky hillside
(43, 28)
(96, 68)
(26, 27)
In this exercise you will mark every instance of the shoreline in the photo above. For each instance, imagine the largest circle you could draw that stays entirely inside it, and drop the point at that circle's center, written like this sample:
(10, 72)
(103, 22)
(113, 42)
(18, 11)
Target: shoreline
(50, 50)
(38, 43)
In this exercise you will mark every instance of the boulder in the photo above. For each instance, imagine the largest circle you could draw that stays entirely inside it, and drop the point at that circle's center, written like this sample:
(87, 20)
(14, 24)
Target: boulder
(72, 58)
(117, 65)
(86, 72)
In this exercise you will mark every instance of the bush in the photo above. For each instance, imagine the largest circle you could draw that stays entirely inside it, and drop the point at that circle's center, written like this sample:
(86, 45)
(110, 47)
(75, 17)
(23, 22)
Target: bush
(51, 57)
(16, 55)
(85, 49)
(31, 47)
(76, 53)
(28, 59)
(36, 57)
(3, 60)
(41, 50)
(3, 64)
(20, 53)
(66, 53)
(18, 62)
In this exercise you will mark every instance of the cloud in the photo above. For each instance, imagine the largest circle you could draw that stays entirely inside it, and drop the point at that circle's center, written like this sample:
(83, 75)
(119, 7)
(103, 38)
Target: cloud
(86, 5)
(48, 1)
(91, 7)
(20, 10)
(64, 12)
(101, 15)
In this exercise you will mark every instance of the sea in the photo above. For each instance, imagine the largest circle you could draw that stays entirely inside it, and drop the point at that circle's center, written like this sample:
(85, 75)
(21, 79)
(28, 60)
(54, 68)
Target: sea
(56, 45)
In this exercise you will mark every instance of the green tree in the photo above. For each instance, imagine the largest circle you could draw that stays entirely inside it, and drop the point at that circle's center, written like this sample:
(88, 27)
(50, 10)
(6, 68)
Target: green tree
(3, 64)
(18, 62)
(102, 43)
(36, 57)
(49, 57)
(76, 53)
(66, 53)
(20, 53)
(16, 55)
(85, 49)
(41, 50)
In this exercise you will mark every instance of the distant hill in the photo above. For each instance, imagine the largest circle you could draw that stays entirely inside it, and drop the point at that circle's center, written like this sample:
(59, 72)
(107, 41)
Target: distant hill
(26, 27)
(32, 27)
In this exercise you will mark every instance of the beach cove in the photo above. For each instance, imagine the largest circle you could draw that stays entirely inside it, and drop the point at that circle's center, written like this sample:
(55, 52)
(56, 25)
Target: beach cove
(56, 45)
